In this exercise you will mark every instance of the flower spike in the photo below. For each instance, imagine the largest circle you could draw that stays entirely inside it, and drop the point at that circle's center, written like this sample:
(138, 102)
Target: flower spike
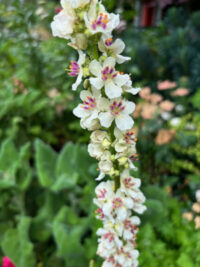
(106, 112)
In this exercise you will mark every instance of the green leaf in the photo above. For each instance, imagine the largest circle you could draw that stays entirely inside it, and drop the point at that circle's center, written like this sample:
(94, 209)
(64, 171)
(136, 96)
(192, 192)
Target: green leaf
(8, 155)
(65, 182)
(17, 246)
(46, 160)
(67, 161)
(184, 261)
(67, 226)
(70, 251)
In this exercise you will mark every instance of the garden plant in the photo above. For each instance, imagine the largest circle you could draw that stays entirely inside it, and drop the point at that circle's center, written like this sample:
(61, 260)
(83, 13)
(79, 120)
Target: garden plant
(106, 112)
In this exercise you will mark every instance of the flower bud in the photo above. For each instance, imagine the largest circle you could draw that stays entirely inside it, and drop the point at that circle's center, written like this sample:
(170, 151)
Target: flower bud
(126, 165)
(86, 84)
(81, 41)
(106, 143)
(122, 160)
(112, 158)
(116, 173)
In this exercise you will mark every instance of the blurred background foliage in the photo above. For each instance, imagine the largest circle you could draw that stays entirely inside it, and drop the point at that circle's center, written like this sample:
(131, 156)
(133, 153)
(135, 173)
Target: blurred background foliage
(46, 175)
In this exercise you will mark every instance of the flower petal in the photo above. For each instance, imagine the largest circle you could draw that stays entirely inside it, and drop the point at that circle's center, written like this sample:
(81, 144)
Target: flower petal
(97, 83)
(84, 94)
(121, 59)
(105, 119)
(104, 104)
(139, 208)
(80, 112)
(93, 116)
(114, 22)
(101, 176)
(110, 61)
(95, 68)
(121, 213)
(118, 46)
(78, 81)
(81, 59)
(118, 134)
(121, 80)
(101, 46)
(124, 122)
(133, 91)
(112, 90)
(130, 107)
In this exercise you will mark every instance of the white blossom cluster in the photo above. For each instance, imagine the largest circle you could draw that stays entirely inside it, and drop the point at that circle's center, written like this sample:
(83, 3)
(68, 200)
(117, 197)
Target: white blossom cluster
(108, 114)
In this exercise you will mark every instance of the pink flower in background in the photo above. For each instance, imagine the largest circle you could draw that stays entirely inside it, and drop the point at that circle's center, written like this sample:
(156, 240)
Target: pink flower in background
(180, 92)
(7, 262)
(165, 85)
(167, 105)
(137, 111)
(145, 93)
(148, 111)
(58, 9)
(156, 98)
(164, 136)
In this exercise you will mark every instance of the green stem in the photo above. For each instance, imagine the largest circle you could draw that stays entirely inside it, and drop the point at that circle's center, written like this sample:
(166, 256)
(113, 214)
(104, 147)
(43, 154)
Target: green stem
(117, 182)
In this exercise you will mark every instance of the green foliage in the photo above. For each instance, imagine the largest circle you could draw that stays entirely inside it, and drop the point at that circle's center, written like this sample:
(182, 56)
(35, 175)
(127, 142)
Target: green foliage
(16, 244)
(11, 161)
(166, 240)
(170, 51)
(53, 210)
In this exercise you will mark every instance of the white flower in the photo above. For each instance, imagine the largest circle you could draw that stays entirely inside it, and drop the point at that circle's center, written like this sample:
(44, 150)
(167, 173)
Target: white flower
(129, 185)
(130, 228)
(132, 157)
(179, 108)
(104, 191)
(127, 256)
(90, 125)
(75, 69)
(175, 121)
(109, 239)
(118, 110)
(75, 3)
(107, 77)
(197, 195)
(126, 229)
(120, 205)
(100, 142)
(165, 116)
(124, 140)
(96, 150)
(105, 164)
(100, 176)
(103, 251)
(99, 136)
(138, 201)
(128, 88)
(79, 41)
(102, 22)
(63, 23)
(88, 110)
(110, 262)
(113, 49)
(128, 154)
(113, 204)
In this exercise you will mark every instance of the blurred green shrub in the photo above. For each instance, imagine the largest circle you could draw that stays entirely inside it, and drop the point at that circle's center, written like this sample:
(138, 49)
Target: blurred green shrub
(47, 215)
(169, 51)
